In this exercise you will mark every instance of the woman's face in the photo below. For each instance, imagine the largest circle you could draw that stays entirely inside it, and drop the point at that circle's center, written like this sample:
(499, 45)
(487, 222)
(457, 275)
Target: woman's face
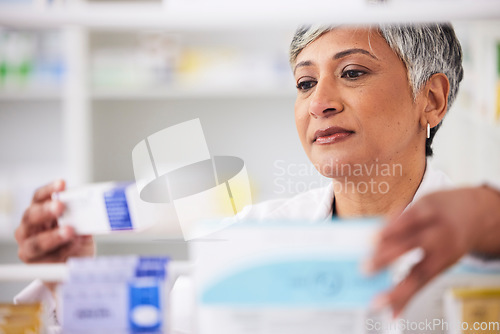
(354, 103)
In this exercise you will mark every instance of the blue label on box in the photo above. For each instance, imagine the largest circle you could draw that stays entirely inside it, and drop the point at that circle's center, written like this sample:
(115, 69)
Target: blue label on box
(117, 208)
(145, 311)
(298, 283)
(152, 266)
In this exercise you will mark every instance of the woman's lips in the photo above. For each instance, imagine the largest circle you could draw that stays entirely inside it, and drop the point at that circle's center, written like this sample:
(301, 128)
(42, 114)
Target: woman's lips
(331, 135)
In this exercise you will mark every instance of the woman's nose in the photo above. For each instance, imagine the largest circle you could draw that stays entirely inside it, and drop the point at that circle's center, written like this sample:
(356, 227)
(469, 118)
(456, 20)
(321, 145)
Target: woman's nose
(325, 100)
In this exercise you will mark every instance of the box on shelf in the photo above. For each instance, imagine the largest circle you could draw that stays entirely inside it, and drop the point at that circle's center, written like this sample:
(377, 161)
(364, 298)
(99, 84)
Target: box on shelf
(288, 277)
(21, 318)
(119, 294)
(473, 310)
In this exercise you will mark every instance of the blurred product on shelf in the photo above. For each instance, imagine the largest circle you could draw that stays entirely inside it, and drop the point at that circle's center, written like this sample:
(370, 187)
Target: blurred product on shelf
(30, 60)
(119, 294)
(164, 60)
(473, 310)
(22, 318)
(150, 61)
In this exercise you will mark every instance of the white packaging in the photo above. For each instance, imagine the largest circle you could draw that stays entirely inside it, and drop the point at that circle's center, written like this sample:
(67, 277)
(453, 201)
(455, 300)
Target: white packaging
(266, 278)
(102, 208)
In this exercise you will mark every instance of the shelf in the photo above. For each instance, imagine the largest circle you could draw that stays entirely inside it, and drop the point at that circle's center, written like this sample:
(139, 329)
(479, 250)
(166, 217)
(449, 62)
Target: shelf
(24, 272)
(128, 94)
(126, 237)
(57, 272)
(113, 239)
(203, 15)
(31, 95)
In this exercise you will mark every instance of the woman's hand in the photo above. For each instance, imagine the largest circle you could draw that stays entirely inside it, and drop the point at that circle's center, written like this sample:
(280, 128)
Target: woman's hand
(40, 239)
(446, 225)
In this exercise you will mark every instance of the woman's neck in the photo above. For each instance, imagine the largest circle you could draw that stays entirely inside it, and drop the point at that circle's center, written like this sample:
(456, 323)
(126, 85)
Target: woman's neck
(377, 189)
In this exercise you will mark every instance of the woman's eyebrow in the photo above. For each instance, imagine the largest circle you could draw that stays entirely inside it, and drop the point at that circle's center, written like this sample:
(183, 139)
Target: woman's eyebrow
(338, 55)
(349, 52)
(304, 63)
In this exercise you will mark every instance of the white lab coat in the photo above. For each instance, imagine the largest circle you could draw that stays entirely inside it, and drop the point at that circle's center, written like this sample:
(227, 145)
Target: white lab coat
(316, 204)
(311, 205)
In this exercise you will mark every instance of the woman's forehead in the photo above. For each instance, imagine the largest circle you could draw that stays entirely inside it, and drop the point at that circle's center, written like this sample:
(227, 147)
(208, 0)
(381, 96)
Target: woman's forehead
(343, 38)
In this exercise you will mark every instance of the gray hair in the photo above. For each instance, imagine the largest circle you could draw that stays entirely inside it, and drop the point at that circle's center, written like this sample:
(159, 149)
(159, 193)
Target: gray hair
(425, 49)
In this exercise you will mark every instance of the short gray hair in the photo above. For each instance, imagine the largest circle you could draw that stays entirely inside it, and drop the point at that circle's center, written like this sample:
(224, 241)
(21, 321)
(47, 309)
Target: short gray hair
(425, 49)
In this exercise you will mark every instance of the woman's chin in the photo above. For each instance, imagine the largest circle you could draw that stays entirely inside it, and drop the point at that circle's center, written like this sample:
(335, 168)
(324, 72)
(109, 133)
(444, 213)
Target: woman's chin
(333, 167)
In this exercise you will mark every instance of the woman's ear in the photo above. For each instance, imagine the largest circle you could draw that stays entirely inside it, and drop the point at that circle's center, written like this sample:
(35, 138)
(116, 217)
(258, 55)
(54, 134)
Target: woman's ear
(437, 90)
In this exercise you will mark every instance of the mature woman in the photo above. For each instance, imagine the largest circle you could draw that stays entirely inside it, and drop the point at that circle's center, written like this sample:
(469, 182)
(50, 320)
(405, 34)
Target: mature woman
(369, 102)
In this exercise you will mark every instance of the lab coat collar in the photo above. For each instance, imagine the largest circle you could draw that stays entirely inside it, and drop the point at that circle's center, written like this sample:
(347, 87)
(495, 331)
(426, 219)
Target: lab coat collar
(433, 180)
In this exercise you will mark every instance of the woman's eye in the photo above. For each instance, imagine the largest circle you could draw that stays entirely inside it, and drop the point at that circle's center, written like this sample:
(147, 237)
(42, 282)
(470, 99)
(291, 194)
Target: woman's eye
(306, 85)
(352, 74)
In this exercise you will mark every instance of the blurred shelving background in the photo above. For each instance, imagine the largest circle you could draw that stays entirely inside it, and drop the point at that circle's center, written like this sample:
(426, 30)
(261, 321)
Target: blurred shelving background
(81, 82)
